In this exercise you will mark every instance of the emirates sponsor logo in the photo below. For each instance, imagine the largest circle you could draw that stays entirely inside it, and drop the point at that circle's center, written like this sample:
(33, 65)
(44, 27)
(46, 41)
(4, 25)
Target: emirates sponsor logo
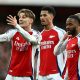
(17, 38)
(51, 36)
(72, 45)
(10, 71)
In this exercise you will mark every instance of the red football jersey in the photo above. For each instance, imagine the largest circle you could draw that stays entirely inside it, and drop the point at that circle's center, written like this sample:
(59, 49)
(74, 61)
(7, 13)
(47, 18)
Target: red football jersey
(20, 64)
(22, 60)
(48, 61)
(72, 48)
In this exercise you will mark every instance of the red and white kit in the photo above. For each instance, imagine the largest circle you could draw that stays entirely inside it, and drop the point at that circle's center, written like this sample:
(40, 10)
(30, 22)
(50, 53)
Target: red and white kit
(22, 53)
(49, 63)
(72, 45)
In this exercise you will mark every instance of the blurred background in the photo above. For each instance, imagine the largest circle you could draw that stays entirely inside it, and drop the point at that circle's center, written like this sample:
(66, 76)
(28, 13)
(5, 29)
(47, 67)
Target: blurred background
(63, 9)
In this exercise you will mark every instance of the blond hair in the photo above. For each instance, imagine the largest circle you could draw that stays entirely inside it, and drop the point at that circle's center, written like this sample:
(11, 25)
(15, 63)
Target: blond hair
(27, 12)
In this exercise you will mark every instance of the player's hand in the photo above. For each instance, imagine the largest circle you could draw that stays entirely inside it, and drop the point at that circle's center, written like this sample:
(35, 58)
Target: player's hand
(65, 36)
(11, 20)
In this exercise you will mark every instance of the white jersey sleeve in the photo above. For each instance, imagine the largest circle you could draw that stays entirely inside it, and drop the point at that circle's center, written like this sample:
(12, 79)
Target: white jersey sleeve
(7, 35)
(61, 33)
(60, 47)
(27, 36)
(60, 57)
(66, 75)
(79, 54)
(37, 35)
(79, 65)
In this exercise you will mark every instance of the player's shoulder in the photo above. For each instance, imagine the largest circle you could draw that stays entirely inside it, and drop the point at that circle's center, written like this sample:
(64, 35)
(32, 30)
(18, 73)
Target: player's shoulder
(35, 32)
(58, 29)
(78, 35)
(11, 31)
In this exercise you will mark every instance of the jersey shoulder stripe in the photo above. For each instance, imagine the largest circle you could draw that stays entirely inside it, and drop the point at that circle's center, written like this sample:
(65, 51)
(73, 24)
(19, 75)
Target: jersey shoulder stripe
(10, 33)
(59, 29)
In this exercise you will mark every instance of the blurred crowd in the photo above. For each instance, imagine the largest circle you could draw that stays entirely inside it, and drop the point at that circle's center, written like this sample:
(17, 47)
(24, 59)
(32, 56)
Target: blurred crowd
(4, 54)
(4, 59)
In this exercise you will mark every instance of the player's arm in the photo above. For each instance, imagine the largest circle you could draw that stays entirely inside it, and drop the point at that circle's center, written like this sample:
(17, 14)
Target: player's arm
(27, 36)
(7, 36)
(79, 66)
(3, 37)
(36, 63)
(13, 21)
(79, 57)
(66, 75)
(61, 46)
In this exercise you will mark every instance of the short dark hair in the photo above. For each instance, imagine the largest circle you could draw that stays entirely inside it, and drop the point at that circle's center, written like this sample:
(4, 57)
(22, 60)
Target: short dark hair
(77, 14)
(49, 9)
(75, 17)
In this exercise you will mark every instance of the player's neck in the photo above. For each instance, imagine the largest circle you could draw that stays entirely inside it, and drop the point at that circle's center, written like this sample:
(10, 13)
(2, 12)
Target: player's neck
(76, 33)
(78, 30)
(48, 27)
(28, 28)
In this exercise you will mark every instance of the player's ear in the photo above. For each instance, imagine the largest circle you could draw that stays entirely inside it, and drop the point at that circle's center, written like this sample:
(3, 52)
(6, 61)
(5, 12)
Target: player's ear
(31, 20)
(52, 16)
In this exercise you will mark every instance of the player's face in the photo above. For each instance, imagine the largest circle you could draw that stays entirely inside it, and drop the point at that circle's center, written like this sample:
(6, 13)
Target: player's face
(46, 18)
(24, 21)
(71, 26)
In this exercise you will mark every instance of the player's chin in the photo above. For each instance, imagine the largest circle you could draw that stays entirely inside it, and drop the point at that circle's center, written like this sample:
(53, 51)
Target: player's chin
(43, 22)
(69, 33)
(22, 25)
